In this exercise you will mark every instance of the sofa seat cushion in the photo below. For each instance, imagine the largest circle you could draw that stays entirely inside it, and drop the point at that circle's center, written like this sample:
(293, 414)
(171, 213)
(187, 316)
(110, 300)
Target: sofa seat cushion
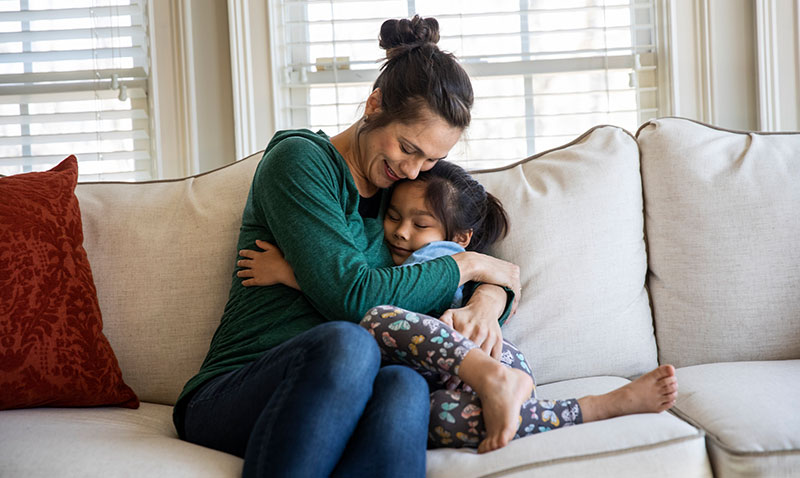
(653, 445)
(103, 442)
(748, 412)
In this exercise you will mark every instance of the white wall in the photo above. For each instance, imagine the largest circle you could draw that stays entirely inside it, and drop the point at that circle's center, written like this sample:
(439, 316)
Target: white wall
(190, 90)
(716, 62)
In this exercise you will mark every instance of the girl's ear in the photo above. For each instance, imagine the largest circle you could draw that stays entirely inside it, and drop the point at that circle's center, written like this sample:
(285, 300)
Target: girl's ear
(463, 238)
(374, 102)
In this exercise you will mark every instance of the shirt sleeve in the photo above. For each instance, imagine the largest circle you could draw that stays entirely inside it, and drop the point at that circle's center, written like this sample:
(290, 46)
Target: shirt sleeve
(301, 193)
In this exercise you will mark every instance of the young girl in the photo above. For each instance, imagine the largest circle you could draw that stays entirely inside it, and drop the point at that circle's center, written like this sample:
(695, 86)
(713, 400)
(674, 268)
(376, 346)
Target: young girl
(445, 211)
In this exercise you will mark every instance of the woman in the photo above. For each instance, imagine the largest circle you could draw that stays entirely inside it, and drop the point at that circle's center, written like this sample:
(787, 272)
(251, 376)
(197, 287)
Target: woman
(291, 382)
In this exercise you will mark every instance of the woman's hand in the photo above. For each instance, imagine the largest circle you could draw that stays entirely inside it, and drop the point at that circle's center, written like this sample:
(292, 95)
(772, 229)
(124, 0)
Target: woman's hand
(265, 268)
(477, 320)
(483, 268)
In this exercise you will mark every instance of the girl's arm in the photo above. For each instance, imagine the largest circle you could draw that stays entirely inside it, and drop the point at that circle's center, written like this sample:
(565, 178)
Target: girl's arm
(267, 267)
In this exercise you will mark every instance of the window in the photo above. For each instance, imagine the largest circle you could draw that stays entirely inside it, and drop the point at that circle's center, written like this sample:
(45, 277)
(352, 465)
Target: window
(543, 71)
(73, 80)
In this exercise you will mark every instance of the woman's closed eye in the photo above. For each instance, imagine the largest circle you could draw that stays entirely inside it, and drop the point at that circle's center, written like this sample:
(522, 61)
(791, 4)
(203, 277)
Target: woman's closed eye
(404, 149)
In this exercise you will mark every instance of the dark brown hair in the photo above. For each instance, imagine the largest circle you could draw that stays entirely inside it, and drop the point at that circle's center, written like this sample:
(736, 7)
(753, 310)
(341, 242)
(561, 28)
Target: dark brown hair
(417, 74)
(462, 204)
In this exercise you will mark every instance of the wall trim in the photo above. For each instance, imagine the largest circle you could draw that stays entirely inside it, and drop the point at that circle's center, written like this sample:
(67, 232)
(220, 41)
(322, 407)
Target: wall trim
(186, 130)
(769, 115)
(704, 58)
(668, 61)
(244, 101)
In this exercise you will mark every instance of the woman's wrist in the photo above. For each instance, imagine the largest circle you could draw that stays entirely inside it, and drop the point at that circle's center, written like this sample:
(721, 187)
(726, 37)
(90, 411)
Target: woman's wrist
(466, 266)
(490, 299)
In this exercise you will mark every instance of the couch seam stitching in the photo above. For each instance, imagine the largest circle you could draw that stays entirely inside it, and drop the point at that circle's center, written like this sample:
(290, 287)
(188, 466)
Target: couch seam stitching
(699, 433)
(717, 441)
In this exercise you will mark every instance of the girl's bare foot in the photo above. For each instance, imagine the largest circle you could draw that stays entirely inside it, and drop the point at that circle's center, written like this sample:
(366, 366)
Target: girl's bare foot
(653, 392)
(502, 391)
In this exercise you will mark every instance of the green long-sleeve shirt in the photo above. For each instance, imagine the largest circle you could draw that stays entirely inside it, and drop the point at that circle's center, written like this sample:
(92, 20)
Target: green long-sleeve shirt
(303, 199)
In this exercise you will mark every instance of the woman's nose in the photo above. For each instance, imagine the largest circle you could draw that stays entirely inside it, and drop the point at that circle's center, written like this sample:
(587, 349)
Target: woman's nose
(411, 168)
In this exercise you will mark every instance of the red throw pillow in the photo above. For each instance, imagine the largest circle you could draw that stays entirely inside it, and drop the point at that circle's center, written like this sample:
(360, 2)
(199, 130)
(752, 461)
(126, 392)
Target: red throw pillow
(52, 348)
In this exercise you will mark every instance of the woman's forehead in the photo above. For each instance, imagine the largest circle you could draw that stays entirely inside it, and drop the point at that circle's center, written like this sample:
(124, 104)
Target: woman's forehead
(433, 136)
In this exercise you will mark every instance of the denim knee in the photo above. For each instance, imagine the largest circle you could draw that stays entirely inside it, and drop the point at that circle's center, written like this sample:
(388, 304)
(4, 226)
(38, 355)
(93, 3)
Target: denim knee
(348, 352)
(405, 384)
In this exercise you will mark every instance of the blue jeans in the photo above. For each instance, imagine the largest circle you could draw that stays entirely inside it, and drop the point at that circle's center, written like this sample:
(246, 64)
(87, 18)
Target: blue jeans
(319, 404)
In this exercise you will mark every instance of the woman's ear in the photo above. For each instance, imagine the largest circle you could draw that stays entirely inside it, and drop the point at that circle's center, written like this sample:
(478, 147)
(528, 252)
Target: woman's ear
(374, 102)
(463, 238)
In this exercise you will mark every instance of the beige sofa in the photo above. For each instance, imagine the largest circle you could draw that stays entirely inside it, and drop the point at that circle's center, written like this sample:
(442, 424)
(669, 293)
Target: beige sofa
(679, 246)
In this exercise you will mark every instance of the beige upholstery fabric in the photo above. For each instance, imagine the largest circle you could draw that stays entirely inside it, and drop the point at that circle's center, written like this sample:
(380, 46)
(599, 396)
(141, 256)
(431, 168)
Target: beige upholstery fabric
(652, 445)
(723, 233)
(103, 442)
(577, 235)
(162, 254)
(111, 442)
(749, 412)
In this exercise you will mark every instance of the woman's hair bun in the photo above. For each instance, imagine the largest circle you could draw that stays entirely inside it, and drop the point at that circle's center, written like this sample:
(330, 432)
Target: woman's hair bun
(407, 34)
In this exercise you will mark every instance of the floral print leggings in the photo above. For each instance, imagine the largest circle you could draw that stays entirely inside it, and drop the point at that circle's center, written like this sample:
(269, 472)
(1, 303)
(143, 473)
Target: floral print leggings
(436, 350)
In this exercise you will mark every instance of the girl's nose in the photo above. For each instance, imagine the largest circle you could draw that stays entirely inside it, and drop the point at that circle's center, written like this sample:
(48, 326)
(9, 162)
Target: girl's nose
(400, 233)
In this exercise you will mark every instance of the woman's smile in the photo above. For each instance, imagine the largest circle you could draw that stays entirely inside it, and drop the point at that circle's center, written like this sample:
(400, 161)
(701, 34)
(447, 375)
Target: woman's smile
(390, 172)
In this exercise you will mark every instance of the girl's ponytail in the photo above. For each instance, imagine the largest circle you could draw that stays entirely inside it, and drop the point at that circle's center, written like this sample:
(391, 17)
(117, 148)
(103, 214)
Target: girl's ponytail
(493, 225)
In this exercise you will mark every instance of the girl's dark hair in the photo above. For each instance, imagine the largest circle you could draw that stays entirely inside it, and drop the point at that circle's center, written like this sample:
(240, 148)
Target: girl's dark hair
(417, 74)
(462, 204)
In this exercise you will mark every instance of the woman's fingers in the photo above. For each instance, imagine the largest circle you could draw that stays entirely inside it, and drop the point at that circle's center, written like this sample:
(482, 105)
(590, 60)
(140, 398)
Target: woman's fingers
(479, 335)
(248, 253)
(497, 350)
(447, 317)
(246, 273)
(245, 263)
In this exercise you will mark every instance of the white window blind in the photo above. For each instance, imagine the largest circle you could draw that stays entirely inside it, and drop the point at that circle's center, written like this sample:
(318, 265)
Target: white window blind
(73, 80)
(543, 71)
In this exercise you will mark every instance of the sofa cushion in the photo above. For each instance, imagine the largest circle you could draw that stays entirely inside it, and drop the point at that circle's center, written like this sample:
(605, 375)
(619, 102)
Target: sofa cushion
(104, 442)
(164, 254)
(577, 234)
(723, 221)
(748, 410)
(652, 445)
(52, 348)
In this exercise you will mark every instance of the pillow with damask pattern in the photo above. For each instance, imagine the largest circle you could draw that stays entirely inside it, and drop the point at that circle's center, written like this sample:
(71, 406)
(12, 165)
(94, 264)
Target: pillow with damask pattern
(52, 348)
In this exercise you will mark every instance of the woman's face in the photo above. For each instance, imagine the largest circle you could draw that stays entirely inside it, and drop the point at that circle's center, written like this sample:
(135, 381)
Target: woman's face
(399, 151)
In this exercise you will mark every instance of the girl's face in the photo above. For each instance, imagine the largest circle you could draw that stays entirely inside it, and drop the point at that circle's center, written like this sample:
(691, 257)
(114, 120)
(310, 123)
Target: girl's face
(409, 224)
(399, 151)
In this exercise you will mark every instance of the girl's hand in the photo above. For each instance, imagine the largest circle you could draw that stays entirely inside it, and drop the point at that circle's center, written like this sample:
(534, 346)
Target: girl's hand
(479, 267)
(265, 268)
(478, 323)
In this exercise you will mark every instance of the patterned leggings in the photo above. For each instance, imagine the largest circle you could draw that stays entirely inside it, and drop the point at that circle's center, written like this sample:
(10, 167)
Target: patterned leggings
(436, 350)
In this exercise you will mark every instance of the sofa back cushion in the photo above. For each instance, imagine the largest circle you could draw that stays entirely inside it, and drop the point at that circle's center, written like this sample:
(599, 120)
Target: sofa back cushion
(723, 232)
(163, 255)
(577, 234)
